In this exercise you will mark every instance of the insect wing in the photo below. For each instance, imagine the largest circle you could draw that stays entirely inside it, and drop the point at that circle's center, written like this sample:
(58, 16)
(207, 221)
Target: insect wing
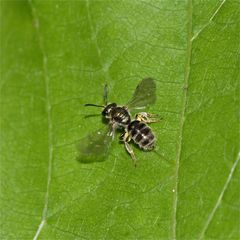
(144, 95)
(94, 147)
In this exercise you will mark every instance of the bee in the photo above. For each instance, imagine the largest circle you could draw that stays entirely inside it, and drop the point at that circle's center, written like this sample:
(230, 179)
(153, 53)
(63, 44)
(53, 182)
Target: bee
(96, 145)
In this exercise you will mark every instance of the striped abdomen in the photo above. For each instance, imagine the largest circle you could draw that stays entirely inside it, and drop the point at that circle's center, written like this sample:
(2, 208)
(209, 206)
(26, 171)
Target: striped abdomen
(141, 134)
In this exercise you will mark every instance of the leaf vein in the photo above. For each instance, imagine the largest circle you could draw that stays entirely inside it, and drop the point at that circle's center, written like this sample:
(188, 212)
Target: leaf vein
(183, 117)
(210, 20)
(49, 117)
(219, 200)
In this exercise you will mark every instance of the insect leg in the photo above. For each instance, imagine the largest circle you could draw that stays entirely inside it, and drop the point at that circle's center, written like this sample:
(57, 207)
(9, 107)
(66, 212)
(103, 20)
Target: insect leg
(113, 129)
(147, 117)
(105, 94)
(130, 151)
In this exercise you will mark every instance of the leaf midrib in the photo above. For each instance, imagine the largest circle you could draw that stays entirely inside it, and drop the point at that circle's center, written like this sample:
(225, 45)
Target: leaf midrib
(183, 118)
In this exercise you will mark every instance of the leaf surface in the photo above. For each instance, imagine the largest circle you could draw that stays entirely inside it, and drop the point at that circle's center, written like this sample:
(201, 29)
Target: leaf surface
(57, 56)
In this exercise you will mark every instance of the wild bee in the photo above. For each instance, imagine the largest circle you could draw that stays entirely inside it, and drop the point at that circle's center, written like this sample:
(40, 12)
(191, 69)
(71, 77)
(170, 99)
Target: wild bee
(96, 145)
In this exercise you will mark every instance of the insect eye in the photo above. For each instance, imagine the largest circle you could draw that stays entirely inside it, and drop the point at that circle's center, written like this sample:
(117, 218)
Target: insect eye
(104, 112)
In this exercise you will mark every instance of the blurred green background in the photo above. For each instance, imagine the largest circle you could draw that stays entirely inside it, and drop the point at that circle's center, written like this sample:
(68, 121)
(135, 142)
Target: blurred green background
(56, 56)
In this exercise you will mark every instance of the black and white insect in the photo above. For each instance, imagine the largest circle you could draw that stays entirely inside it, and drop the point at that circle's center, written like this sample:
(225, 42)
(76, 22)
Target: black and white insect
(96, 145)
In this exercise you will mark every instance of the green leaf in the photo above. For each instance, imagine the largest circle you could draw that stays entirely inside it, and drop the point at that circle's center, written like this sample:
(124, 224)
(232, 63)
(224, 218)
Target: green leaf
(56, 56)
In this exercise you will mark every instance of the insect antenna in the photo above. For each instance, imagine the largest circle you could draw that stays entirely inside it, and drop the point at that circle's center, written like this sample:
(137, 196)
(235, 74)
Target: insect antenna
(93, 105)
(105, 94)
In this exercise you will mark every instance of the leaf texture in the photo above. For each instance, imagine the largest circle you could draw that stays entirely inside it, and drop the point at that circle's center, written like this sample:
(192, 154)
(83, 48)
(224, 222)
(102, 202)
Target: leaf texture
(58, 55)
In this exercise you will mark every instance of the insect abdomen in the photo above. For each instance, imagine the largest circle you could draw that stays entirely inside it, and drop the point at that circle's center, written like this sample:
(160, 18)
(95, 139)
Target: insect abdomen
(141, 134)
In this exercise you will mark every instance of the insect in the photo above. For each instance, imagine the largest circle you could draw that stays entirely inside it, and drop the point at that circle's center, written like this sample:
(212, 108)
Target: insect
(96, 145)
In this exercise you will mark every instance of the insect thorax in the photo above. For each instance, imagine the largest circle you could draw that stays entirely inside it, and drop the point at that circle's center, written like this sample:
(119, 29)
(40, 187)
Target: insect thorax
(118, 115)
(121, 116)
